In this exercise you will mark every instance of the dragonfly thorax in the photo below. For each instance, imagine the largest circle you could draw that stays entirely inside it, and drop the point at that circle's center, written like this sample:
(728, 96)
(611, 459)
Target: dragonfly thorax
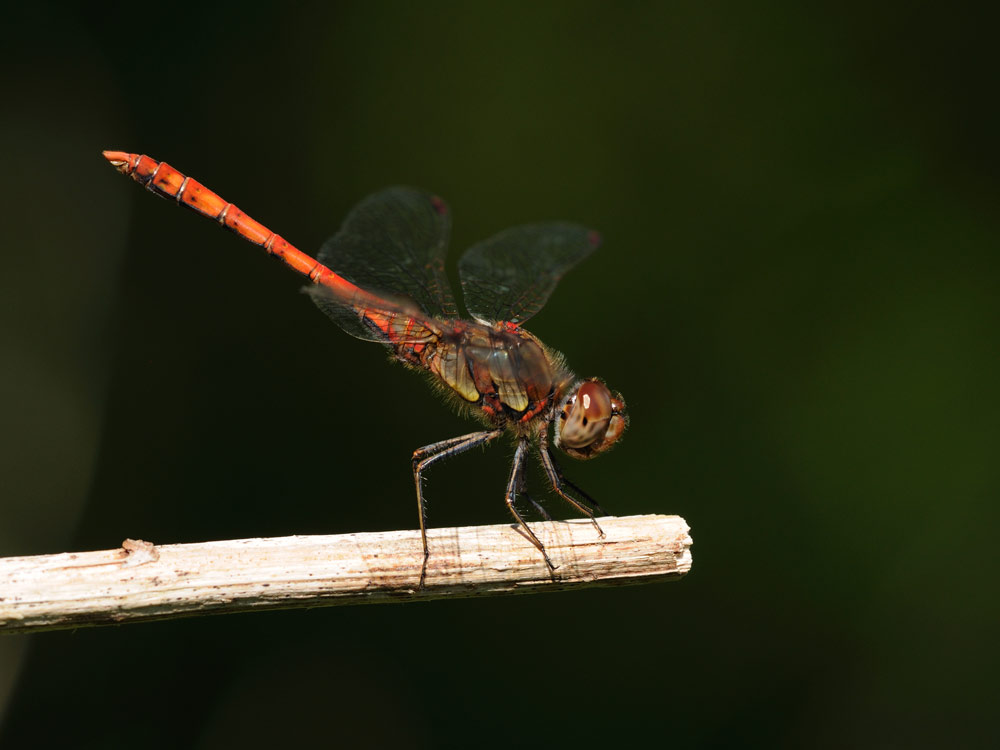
(506, 372)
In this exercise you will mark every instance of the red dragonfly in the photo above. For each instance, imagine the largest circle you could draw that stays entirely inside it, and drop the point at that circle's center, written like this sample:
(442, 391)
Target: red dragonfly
(389, 286)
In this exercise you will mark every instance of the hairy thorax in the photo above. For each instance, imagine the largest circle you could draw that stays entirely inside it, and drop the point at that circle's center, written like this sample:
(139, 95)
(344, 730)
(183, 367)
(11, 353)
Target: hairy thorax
(501, 371)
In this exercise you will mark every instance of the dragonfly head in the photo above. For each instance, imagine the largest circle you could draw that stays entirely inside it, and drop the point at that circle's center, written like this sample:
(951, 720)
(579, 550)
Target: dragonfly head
(591, 419)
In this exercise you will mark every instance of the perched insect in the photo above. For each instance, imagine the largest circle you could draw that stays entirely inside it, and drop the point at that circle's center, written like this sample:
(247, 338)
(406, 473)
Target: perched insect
(381, 278)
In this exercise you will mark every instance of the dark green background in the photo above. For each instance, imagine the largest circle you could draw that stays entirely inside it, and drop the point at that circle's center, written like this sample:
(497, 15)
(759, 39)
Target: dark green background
(797, 295)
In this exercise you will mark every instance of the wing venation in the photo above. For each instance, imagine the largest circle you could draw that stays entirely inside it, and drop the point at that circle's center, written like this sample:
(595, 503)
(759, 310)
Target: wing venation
(392, 244)
(511, 275)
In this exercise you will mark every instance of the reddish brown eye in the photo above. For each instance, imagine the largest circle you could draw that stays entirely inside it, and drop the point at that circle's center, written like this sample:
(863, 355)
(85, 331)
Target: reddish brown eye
(585, 416)
(595, 401)
(591, 420)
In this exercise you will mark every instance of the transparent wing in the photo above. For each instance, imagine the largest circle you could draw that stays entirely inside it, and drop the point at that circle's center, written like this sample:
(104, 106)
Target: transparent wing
(394, 243)
(511, 275)
(386, 320)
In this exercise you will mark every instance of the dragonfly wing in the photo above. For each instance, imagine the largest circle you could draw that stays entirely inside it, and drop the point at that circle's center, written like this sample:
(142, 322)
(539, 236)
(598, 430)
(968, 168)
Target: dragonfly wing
(394, 243)
(388, 320)
(511, 275)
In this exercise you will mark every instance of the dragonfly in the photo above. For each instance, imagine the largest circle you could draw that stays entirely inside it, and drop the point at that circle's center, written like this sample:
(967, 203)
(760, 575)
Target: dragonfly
(382, 278)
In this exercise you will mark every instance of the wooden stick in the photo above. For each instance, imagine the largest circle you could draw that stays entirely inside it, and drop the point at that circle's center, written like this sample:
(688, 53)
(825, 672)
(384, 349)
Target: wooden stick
(143, 581)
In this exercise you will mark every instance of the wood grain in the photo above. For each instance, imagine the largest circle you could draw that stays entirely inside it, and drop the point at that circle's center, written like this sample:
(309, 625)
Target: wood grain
(143, 581)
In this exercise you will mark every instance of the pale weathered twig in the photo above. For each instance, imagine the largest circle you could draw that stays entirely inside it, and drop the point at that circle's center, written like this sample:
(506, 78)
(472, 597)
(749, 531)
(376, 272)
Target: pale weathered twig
(142, 581)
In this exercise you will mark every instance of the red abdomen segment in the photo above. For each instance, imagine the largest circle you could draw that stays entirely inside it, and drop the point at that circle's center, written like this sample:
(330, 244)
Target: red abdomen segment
(162, 179)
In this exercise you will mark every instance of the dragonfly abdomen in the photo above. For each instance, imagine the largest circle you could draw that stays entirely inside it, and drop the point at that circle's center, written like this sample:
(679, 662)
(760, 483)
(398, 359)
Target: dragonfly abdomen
(160, 178)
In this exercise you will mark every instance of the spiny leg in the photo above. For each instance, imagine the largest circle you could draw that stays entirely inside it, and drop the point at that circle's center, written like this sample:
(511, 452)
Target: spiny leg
(557, 480)
(429, 454)
(522, 491)
(517, 481)
(538, 506)
(573, 485)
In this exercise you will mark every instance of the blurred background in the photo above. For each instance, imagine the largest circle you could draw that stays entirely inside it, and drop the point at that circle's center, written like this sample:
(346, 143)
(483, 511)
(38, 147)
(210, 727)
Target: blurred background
(797, 295)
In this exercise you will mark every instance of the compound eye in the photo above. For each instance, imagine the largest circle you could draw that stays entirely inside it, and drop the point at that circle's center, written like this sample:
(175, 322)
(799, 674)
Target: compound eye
(585, 417)
(595, 400)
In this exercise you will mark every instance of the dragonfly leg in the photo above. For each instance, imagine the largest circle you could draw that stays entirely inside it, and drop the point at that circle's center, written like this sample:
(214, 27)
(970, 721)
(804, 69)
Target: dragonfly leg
(576, 488)
(429, 454)
(537, 506)
(557, 480)
(516, 482)
(522, 491)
